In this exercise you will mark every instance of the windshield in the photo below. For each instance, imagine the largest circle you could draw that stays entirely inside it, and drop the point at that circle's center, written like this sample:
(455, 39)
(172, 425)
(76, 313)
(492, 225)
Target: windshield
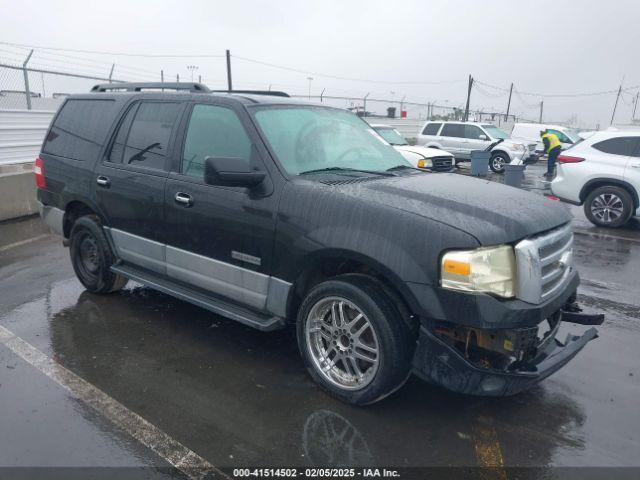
(495, 132)
(391, 135)
(306, 138)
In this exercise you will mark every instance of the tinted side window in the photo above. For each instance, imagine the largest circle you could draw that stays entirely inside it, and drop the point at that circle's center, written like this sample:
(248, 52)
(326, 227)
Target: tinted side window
(618, 146)
(452, 130)
(473, 132)
(80, 129)
(213, 132)
(149, 135)
(117, 149)
(431, 129)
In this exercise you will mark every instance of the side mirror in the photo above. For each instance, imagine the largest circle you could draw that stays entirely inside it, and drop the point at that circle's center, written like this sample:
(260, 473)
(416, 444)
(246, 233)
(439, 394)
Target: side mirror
(231, 172)
(482, 137)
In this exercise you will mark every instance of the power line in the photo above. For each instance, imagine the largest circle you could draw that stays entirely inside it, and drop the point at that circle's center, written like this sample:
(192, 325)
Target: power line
(559, 95)
(336, 77)
(124, 54)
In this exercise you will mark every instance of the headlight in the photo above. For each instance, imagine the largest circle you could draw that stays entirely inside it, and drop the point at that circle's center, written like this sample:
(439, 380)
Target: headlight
(425, 163)
(490, 269)
(518, 147)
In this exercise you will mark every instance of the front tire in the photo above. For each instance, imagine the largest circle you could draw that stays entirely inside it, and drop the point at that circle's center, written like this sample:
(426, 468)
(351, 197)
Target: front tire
(609, 206)
(498, 161)
(353, 339)
(92, 258)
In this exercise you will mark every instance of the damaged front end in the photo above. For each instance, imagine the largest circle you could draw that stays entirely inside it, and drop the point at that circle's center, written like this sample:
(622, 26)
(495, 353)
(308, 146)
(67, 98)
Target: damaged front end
(499, 362)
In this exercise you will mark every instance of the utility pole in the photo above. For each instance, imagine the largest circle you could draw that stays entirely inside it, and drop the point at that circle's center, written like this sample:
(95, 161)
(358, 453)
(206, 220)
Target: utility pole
(635, 105)
(322, 94)
(506, 117)
(364, 108)
(466, 109)
(310, 80)
(229, 84)
(615, 105)
(161, 76)
(541, 109)
(113, 65)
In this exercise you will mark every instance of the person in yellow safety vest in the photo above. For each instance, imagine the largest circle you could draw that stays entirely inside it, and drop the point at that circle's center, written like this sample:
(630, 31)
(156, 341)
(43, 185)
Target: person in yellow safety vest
(552, 147)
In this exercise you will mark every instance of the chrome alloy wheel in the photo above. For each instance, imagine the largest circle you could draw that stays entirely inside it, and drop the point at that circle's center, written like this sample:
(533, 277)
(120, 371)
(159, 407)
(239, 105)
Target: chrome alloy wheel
(342, 342)
(498, 162)
(607, 207)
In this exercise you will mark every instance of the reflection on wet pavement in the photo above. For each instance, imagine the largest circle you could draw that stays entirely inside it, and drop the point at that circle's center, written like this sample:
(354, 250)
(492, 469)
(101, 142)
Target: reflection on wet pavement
(238, 396)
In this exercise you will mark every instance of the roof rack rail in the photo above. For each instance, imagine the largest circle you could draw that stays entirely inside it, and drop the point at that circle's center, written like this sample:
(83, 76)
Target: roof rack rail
(273, 93)
(138, 87)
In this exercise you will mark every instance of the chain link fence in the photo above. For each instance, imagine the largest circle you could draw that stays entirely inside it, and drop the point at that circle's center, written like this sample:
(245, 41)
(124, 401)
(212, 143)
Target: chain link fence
(37, 89)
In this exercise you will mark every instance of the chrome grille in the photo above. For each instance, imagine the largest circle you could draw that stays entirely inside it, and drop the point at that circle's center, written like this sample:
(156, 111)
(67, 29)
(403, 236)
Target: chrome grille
(544, 263)
(442, 163)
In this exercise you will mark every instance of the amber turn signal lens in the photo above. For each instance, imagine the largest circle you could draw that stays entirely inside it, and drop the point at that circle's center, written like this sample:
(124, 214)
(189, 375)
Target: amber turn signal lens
(457, 268)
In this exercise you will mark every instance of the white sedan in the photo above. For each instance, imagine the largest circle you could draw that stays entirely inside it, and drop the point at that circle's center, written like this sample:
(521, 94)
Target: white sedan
(420, 157)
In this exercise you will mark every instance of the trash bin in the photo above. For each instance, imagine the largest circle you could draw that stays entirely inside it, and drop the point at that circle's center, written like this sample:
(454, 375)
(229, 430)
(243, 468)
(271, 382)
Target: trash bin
(513, 175)
(391, 112)
(480, 163)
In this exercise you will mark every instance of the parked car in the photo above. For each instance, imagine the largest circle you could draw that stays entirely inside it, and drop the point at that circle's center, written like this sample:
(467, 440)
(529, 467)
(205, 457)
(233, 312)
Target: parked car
(603, 174)
(461, 138)
(275, 212)
(420, 157)
(530, 133)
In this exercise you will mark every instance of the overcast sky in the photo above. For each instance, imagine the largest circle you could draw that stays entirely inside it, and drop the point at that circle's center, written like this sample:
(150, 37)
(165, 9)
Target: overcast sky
(547, 47)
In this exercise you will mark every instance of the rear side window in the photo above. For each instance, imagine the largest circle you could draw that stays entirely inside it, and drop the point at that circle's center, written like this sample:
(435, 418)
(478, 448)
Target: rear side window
(213, 132)
(452, 130)
(80, 129)
(148, 139)
(619, 146)
(431, 129)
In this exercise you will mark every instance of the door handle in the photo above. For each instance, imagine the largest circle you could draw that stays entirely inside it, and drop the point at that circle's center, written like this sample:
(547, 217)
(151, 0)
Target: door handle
(103, 181)
(183, 199)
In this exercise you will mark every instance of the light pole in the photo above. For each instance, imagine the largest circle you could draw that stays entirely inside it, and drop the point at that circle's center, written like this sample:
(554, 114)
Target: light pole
(310, 80)
(192, 68)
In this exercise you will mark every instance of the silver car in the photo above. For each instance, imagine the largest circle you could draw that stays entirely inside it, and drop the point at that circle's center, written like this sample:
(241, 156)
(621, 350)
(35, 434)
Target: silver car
(461, 138)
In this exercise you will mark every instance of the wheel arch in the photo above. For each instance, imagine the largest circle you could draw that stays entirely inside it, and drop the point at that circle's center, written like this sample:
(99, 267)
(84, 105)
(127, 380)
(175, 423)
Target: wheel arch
(326, 264)
(499, 150)
(75, 209)
(605, 182)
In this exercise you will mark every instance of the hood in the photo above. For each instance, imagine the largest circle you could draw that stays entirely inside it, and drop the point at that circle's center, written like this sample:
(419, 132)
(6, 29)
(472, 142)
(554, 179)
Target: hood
(493, 213)
(426, 152)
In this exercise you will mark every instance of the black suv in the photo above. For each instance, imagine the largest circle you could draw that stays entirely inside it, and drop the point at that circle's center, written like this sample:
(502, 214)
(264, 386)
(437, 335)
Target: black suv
(270, 211)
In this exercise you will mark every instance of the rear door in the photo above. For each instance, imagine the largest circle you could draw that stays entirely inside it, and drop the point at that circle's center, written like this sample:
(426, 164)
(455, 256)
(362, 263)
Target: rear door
(452, 139)
(220, 239)
(129, 181)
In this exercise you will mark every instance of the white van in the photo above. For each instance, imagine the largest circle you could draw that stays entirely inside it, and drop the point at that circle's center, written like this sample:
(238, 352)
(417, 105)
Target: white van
(530, 132)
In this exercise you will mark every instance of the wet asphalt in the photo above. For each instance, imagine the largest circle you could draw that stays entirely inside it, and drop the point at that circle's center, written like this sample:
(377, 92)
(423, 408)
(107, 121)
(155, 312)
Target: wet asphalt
(239, 397)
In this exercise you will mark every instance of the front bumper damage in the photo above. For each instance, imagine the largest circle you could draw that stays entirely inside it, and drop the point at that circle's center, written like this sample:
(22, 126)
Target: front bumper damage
(499, 362)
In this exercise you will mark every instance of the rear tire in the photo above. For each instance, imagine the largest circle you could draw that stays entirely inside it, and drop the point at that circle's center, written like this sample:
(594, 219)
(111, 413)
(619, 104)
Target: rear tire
(353, 339)
(609, 206)
(92, 258)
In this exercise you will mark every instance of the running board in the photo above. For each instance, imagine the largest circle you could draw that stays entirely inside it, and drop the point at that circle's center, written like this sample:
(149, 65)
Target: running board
(226, 309)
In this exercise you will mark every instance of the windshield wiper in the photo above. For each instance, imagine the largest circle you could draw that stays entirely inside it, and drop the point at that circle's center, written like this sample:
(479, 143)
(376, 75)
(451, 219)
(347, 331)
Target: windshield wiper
(344, 169)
